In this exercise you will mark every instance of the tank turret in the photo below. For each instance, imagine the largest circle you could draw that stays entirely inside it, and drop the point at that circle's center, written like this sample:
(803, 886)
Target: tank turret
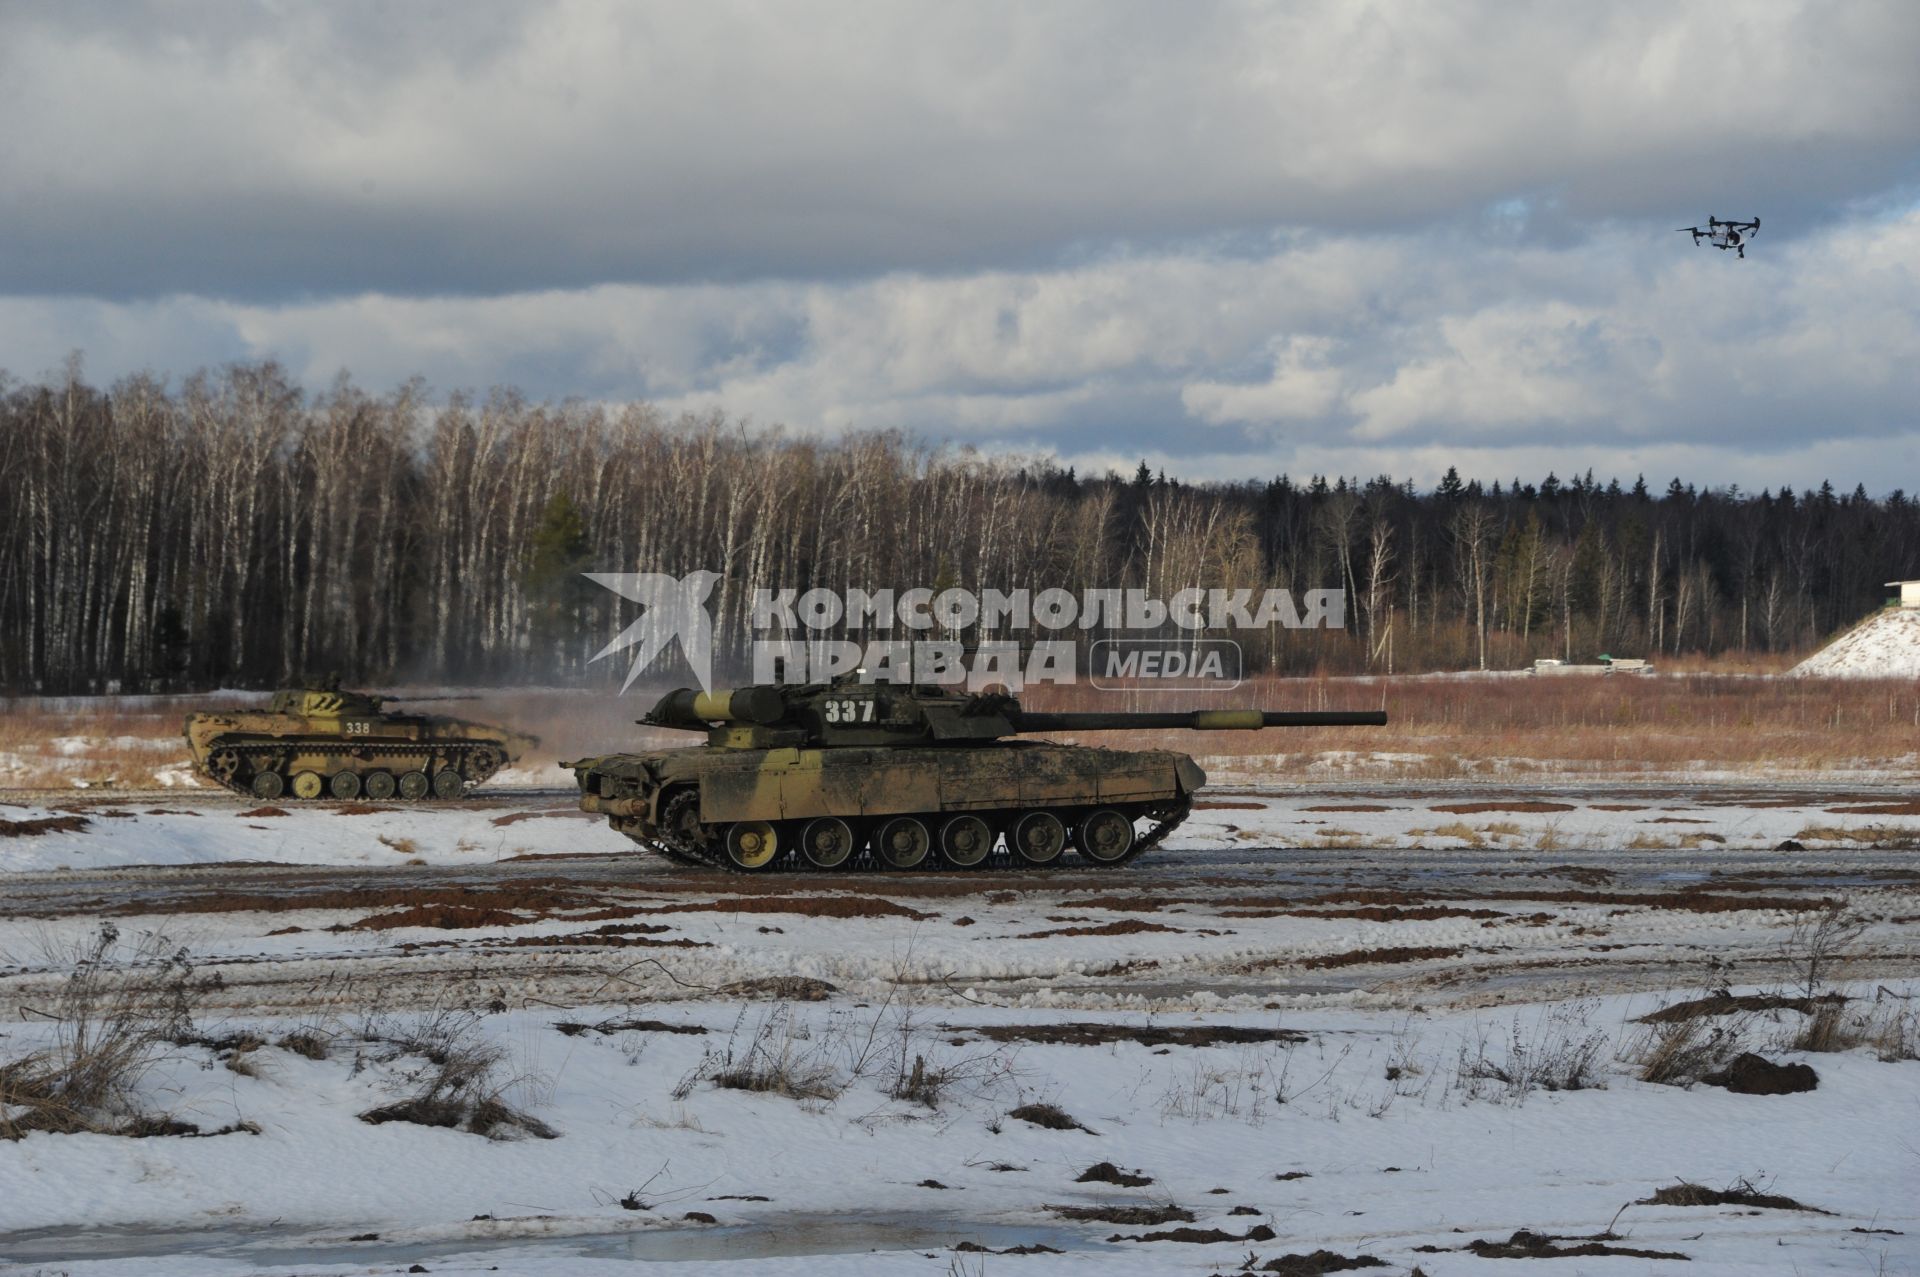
(855, 714)
(821, 773)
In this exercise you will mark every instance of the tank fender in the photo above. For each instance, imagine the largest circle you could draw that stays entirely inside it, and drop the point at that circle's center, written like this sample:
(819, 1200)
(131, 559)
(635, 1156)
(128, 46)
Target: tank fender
(1189, 773)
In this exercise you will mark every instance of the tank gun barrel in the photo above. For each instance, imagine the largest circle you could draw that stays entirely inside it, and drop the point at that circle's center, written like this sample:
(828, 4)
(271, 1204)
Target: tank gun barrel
(1205, 720)
(693, 710)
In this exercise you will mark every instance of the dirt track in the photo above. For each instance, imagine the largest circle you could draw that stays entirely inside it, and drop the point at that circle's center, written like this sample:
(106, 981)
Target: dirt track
(1250, 921)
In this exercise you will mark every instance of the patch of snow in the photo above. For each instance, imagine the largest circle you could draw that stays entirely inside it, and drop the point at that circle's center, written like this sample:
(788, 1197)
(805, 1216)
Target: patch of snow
(1379, 1115)
(1885, 645)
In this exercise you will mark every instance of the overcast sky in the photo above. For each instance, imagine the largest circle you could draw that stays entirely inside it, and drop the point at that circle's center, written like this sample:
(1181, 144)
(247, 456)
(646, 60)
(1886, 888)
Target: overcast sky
(1233, 239)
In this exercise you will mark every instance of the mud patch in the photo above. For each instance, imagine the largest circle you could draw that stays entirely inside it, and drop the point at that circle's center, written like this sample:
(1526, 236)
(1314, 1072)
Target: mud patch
(1585, 875)
(1199, 1236)
(1480, 808)
(609, 937)
(44, 825)
(1145, 1216)
(440, 917)
(1367, 957)
(1037, 1248)
(1108, 1173)
(805, 906)
(786, 988)
(1123, 927)
(1052, 1117)
(1877, 809)
(1751, 1074)
(1084, 1033)
(539, 898)
(1530, 1245)
(1735, 1004)
(514, 818)
(263, 812)
(1222, 804)
(1340, 807)
(571, 1028)
(363, 809)
(1741, 1193)
(1320, 1261)
(1369, 913)
(1124, 904)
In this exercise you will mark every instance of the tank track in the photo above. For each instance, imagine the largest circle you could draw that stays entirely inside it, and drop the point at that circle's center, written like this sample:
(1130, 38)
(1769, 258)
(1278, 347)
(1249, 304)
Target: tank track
(1167, 817)
(453, 750)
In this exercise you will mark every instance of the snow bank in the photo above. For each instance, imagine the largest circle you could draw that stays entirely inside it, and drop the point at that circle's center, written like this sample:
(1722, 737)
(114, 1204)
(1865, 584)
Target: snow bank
(1885, 645)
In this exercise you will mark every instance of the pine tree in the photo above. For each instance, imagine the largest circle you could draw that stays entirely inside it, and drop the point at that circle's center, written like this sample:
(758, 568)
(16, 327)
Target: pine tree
(557, 594)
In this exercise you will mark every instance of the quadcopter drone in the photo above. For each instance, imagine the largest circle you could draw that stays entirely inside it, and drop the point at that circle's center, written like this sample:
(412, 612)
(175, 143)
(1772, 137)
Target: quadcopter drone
(1722, 234)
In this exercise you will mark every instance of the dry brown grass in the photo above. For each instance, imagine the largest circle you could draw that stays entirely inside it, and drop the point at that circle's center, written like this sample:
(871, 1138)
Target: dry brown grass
(1877, 835)
(1725, 712)
(1718, 715)
(119, 1011)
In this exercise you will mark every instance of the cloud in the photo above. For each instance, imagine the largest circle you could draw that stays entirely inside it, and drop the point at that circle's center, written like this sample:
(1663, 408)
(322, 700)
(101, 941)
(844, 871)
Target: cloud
(1304, 386)
(258, 152)
(1234, 239)
(1358, 354)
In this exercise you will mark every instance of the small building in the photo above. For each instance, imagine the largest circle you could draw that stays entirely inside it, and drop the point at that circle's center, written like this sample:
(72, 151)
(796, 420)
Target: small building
(1909, 593)
(1606, 665)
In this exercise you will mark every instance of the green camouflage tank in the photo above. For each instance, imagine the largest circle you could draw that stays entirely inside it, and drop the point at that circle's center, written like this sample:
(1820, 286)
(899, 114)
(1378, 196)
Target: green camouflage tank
(321, 742)
(850, 774)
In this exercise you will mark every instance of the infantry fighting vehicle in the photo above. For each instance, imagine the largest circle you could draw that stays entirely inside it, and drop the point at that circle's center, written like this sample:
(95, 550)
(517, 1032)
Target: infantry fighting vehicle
(319, 742)
(907, 774)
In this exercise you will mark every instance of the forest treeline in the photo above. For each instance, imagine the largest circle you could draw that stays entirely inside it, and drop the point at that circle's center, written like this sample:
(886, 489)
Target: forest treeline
(235, 531)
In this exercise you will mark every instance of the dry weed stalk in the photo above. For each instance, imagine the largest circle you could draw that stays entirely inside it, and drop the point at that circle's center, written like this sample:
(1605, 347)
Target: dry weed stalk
(117, 1014)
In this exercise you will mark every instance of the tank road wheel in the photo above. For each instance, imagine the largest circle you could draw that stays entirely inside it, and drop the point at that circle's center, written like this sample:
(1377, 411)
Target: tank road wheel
(224, 766)
(965, 841)
(414, 786)
(902, 843)
(827, 843)
(1105, 836)
(752, 844)
(1038, 838)
(268, 785)
(447, 784)
(345, 786)
(308, 785)
(379, 786)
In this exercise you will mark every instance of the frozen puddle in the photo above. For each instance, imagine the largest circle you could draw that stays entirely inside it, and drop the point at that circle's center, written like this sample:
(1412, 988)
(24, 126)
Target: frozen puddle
(770, 1238)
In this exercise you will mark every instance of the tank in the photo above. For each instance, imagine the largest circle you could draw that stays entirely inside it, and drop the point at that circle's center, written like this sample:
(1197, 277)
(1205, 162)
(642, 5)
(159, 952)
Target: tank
(874, 776)
(326, 743)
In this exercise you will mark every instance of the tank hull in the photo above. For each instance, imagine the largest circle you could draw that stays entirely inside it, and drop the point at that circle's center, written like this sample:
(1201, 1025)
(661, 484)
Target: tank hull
(790, 788)
(411, 757)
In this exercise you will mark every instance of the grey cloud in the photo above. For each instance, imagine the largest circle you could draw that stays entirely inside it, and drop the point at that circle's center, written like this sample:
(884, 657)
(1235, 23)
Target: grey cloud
(1361, 353)
(262, 152)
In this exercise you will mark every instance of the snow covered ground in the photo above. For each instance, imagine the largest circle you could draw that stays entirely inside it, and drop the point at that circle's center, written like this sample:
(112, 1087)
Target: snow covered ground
(1370, 1133)
(1313, 1021)
(510, 820)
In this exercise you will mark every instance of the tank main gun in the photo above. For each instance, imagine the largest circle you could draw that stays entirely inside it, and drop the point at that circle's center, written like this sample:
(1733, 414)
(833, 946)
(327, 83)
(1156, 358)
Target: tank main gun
(870, 714)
